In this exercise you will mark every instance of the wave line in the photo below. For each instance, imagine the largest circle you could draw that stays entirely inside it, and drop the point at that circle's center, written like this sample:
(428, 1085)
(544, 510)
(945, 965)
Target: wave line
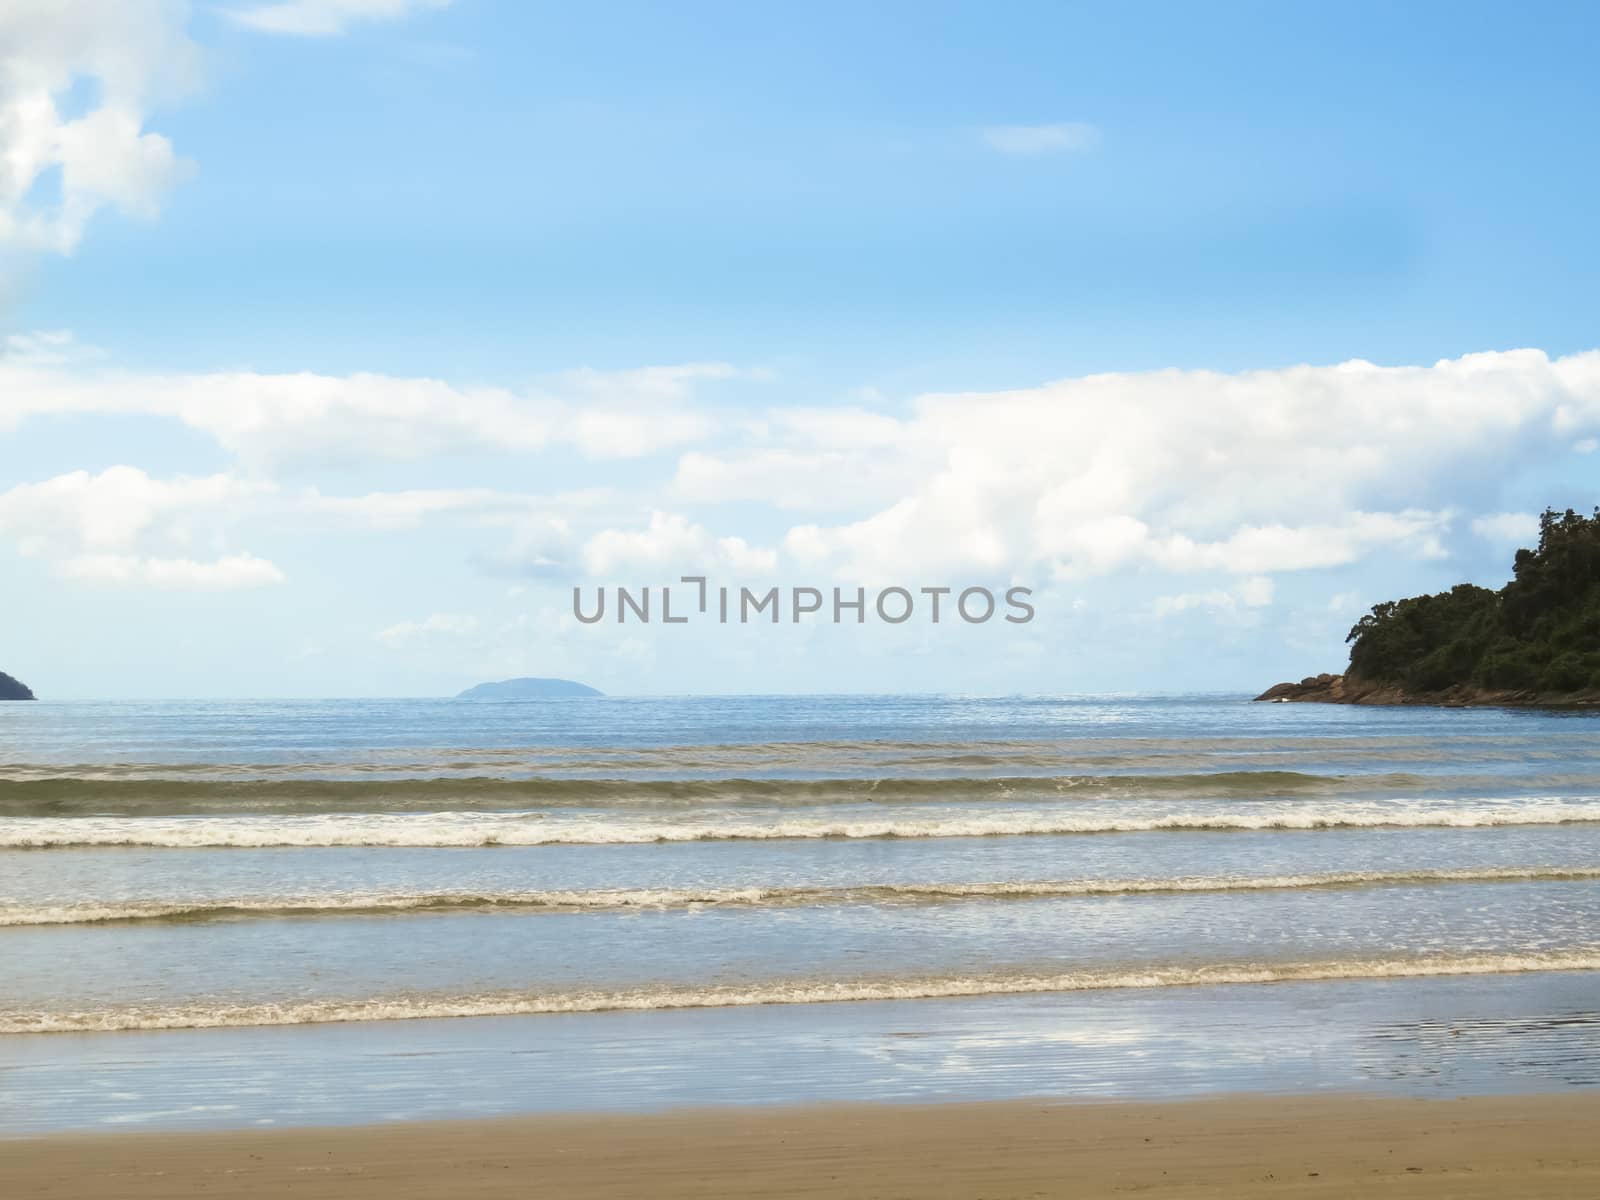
(572, 900)
(400, 1008)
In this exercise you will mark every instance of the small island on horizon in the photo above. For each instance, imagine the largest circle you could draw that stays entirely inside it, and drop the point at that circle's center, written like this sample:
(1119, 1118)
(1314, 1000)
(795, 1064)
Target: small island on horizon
(529, 688)
(14, 689)
(1533, 643)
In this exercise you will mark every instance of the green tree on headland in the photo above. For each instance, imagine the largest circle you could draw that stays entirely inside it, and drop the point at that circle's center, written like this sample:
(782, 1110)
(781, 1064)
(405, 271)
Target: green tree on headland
(1540, 633)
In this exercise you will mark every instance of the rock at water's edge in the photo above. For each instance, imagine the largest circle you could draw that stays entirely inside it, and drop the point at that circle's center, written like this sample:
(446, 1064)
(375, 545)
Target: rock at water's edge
(1346, 689)
(1326, 688)
(13, 689)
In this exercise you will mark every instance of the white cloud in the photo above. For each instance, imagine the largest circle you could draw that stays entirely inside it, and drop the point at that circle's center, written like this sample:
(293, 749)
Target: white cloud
(124, 527)
(671, 545)
(1252, 473)
(792, 479)
(900, 540)
(43, 347)
(1281, 548)
(857, 427)
(270, 420)
(325, 18)
(437, 625)
(62, 162)
(865, 457)
(1042, 139)
(541, 544)
(485, 506)
(1254, 592)
(655, 385)
(1171, 472)
(225, 573)
(119, 509)
(58, 168)
(1520, 529)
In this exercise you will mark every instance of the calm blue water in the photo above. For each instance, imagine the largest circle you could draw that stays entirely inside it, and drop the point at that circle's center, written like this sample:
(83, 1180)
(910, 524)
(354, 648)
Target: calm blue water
(356, 730)
(219, 868)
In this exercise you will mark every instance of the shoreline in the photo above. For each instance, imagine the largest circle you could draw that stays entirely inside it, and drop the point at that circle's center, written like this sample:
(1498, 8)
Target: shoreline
(1346, 1145)
(1434, 1037)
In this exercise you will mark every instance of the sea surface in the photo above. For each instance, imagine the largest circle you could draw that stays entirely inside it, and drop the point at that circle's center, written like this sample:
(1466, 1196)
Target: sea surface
(229, 913)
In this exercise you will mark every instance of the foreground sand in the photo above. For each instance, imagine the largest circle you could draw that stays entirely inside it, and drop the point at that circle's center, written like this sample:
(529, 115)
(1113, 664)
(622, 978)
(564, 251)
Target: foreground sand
(1523, 1147)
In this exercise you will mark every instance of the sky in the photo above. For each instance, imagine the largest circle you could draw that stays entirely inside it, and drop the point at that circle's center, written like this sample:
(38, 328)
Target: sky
(341, 340)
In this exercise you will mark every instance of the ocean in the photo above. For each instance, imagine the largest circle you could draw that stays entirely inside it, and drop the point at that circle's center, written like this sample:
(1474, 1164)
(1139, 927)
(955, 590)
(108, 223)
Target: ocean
(262, 912)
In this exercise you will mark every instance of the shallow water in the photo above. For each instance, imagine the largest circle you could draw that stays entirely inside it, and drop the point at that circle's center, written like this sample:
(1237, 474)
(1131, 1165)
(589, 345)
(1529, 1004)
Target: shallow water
(172, 866)
(1420, 1037)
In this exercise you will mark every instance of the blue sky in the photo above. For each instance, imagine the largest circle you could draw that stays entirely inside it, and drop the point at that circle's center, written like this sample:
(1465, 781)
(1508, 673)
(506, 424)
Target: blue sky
(345, 337)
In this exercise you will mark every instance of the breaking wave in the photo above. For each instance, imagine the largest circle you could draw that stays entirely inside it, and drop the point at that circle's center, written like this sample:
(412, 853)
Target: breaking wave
(465, 829)
(401, 1008)
(559, 901)
(66, 796)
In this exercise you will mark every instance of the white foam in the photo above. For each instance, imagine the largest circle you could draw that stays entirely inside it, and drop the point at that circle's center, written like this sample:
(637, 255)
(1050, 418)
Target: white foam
(567, 900)
(799, 992)
(465, 829)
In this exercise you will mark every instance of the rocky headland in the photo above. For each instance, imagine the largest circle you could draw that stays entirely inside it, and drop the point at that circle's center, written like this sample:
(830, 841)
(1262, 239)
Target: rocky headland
(1533, 643)
(13, 689)
(1343, 689)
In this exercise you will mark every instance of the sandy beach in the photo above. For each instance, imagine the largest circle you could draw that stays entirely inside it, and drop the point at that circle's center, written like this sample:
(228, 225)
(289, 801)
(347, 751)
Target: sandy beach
(1522, 1146)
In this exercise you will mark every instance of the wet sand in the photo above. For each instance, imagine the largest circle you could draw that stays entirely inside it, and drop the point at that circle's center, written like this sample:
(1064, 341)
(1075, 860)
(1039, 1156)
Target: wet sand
(1345, 1146)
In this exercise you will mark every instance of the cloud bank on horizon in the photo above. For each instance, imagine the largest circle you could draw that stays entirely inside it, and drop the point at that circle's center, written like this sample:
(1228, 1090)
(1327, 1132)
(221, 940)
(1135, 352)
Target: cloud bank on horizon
(366, 521)
(1178, 472)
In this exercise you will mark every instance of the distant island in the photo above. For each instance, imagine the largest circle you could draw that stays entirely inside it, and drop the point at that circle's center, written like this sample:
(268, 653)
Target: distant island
(1534, 642)
(14, 689)
(529, 689)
